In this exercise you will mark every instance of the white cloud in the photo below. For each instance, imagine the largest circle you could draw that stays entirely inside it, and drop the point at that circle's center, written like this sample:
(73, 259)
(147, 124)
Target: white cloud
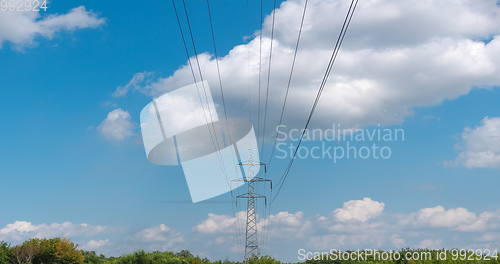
(21, 230)
(117, 125)
(221, 224)
(295, 224)
(90, 237)
(434, 227)
(407, 54)
(139, 82)
(157, 234)
(22, 27)
(95, 244)
(227, 230)
(440, 217)
(160, 237)
(287, 225)
(353, 225)
(481, 145)
(459, 219)
(347, 228)
(281, 222)
(359, 210)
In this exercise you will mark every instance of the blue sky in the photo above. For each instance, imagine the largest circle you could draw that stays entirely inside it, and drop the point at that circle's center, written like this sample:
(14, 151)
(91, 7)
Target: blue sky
(57, 91)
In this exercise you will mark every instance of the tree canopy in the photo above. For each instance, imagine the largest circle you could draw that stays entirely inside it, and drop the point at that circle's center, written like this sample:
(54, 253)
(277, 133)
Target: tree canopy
(63, 251)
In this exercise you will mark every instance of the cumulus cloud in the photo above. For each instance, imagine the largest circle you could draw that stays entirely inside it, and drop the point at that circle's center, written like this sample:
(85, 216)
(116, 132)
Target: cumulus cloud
(407, 54)
(160, 237)
(347, 228)
(433, 227)
(459, 219)
(94, 245)
(157, 234)
(481, 145)
(287, 225)
(21, 230)
(359, 210)
(117, 125)
(350, 228)
(220, 223)
(117, 241)
(355, 224)
(22, 27)
(283, 224)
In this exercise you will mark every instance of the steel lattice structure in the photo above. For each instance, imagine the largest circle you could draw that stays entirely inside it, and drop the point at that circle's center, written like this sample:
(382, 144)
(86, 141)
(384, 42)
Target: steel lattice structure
(251, 239)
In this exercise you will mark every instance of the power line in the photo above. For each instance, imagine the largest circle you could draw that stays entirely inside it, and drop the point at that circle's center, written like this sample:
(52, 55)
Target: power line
(233, 197)
(216, 57)
(201, 75)
(260, 70)
(221, 88)
(190, 64)
(269, 222)
(189, 60)
(333, 57)
(263, 135)
(194, 47)
(213, 136)
(289, 81)
(268, 78)
(183, 40)
(266, 206)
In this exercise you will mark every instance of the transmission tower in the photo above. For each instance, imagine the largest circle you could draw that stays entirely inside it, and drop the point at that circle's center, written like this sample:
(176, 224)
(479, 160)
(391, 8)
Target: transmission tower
(251, 242)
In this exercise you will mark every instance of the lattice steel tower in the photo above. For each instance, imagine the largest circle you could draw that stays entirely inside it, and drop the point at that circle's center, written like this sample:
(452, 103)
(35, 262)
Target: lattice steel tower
(251, 242)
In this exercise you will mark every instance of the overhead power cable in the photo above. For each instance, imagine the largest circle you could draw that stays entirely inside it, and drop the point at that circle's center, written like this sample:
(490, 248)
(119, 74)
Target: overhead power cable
(269, 223)
(268, 79)
(266, 205)
(260, 70)
(233, 197)
(216, 57)
(184, 41)
(289, 82)
(201, 75)
(333, 57)
(213, 134)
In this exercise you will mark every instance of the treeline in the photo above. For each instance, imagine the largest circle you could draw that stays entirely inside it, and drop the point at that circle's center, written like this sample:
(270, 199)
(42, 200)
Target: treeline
(42, 251)
(63, 251)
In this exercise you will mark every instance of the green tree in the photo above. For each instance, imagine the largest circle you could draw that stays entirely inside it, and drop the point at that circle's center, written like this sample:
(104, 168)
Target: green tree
(90, 257)
(263, 260)
(67, 253)
(185, 254)
(5, 253)
(25, 253)
(43, 251)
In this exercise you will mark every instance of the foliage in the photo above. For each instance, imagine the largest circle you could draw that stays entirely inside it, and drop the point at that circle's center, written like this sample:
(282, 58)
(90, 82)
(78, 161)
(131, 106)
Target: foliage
(4, 252)
(42, 251)
(92, 258)
(263, 260)
(63, 251)
(141, 257)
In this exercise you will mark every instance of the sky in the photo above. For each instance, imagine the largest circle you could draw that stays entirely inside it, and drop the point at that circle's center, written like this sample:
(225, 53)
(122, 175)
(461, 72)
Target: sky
(74, 79)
